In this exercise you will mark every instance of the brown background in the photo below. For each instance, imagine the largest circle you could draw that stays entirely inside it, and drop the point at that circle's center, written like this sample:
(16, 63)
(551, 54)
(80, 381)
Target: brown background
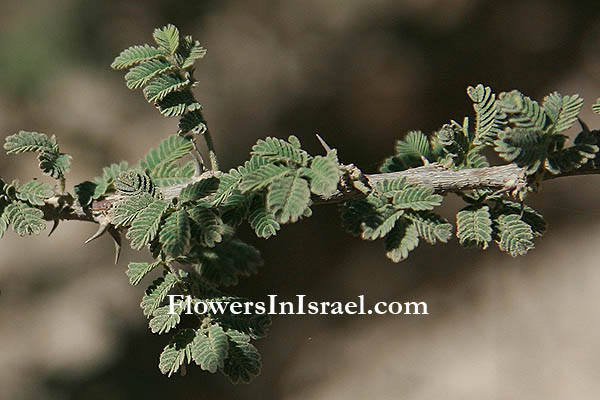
(360, 73)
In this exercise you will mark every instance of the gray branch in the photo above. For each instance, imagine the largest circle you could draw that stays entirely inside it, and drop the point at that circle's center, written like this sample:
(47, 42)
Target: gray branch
(508, 179)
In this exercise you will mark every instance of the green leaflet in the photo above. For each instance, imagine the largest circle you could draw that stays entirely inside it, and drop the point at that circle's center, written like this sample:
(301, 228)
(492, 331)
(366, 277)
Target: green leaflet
(135, 55)
(521, 110)
(28, 142)
(226, 262)
(126, 211)
(109, 174)
(431, 227)
(474, 226)
(172, 174)
(145, 225)
(52, 162)
(35, 192)
(288, 198)
(401, 240)
(263, 177)
(162, 321)
(526, 147)
(156, 293)
(409, 153)
(207, 226)
(596, 107)
(262, 220)
(198, 190)
(132, 183)
(192, 121)
(561, 110)
(189, 51)
(25, 220)
(210, 348)
(143, 73)
(243, 363)
(324, 174)
(487, 123)
(167, 38)
(175, 234)
(168, 151)
(382, 226)
(178, 351)
(278, 150)
(4, 222)
(416, 198)
(162, 85)
(177, 103)
(514, 236)
(137, 271)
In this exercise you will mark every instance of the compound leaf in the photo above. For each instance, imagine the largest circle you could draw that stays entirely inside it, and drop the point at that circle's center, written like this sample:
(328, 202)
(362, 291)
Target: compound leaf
(162, 321)
(514, 236)
(135, 55)
(175, 233)
(209, 348)
(562, 111)
(35, 192)
(178, 351)
(25, 220)
(136, 271)
(474, 226)
(167, 38)
(243, 363)
(156, 293)
(145, 225)
(143, 73)
(288, 198)
(401, 240)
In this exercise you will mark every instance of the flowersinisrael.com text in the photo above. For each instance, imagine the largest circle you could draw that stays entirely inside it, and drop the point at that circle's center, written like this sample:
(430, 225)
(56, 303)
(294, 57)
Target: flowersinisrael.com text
(180, 304)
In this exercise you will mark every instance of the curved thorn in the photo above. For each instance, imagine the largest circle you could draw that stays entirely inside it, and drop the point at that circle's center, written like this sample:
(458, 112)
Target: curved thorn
(54, 226)
(116, 236)
(103, 227)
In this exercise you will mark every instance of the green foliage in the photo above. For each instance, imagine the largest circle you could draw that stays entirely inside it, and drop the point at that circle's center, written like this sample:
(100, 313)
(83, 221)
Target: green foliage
(243, 363)
(52, 162)
(156, 293)
(144, 226)
(562, 111)
(160, 164)
(175, 234)
(521, 110)
(514, 235)
(288, 198)
(163, 321)
(474, 226)
(526, 147)
(210, 347)
(25, 220)
(273, 149)
(35, 192)
(401, 240)
(132, 183)
(135, 55)
(487, 121)
(189, 225)
(178, 351)
(137, 271)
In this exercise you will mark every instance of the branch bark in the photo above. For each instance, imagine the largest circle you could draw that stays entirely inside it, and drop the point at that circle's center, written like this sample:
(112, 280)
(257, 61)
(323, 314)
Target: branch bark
(508, 178)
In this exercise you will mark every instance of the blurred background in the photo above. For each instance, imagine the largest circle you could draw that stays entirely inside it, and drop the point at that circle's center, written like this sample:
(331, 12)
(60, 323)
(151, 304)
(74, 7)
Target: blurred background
(361, 74)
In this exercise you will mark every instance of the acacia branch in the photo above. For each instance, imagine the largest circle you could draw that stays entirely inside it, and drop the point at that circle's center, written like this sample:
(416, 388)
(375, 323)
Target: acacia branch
(508, 178)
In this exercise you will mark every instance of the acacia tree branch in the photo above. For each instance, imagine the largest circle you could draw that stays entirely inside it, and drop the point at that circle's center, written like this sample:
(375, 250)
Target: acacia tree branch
(508, 178)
